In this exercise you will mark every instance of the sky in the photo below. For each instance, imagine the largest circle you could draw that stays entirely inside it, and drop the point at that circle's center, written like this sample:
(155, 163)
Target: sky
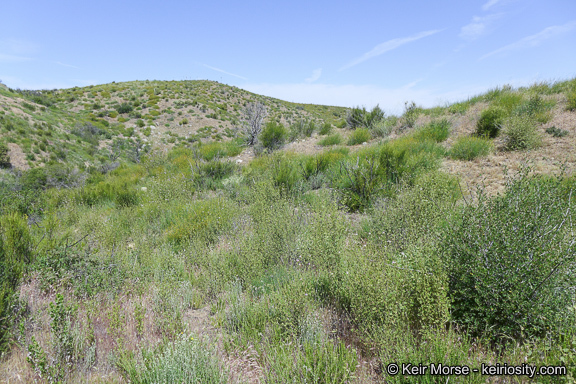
(345, 53)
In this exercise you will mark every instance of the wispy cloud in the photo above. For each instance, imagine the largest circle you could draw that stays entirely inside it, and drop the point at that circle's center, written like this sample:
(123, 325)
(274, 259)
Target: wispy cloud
(535, 40)
(489, 4)
(13, 58)
(477, 27)
(65, 65)
(223, 71)
(315, 75)
(388, 46)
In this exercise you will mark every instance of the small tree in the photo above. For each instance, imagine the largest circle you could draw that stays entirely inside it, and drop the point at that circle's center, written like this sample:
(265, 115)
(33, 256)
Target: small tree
(254, 115)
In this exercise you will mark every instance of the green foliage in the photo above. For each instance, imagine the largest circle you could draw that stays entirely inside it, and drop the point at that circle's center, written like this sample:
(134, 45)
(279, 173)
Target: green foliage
(202, 220)
(56, 367)
(186, 360)
(302, 128)
(4, 156)
(437, 131)
(556, 132)
(334, 139)
(521, 133)
(140, 123)
(509, 260)
(361, 118)
(470, 148)
(490, 122)
(322, 362)
(124, 108)
(571, 100)
(325, 129)
(359, 136)
(273, 135)
(411, 113)
(534, 108)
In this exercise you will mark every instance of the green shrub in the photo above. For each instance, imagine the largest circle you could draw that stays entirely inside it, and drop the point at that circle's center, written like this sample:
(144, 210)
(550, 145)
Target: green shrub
(510, 260)
(490, 122)
(557, 132)
(359, 136)
(325, 129)
(521, 133)
(437, 131)
(571, 101)
(4, 156)
(384, 127)
(273, 136)
(124, 108)
(334, 139)
(140, 123)
(361, 118)
(470, 147)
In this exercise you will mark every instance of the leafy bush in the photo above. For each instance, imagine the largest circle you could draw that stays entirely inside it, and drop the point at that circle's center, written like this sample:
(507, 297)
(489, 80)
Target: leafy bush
(124, 108)
(437, 131)
(510, 260)
(4, 156)
(334, 139)
(470, 147)
(521, 133)
(490, 122)
(361, 118)
(557, 132)
(359, 136)
(325, 129)
(140, 123)
(273, 136)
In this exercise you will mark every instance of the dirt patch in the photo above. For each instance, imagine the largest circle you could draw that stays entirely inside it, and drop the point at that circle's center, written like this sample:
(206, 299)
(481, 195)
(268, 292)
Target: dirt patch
(17, 157)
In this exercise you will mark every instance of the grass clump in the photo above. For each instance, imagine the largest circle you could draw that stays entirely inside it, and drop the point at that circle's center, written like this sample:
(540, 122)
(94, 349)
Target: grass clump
(521, 133)
(359, 136)
(490, 122)
(334, 139)
(186, 360)
(470, 148)
(325, 129)
(437, 131)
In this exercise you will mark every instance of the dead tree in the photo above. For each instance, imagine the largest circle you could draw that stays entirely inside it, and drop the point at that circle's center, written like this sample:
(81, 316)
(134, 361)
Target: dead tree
(254, 115)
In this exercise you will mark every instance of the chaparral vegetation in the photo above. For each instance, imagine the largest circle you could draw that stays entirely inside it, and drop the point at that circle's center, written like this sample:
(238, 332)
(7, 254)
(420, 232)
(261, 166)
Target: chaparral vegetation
(192, 232)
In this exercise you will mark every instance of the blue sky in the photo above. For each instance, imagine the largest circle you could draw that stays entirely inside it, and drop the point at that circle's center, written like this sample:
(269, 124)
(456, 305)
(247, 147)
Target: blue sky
(325, 52)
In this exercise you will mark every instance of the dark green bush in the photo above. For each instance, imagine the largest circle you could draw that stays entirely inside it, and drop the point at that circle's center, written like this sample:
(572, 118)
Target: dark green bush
(124, 108)
(325, 129)
(490, 122)
(557, 132)
(511, 261)
(4, 156)
(361, 118)
(273, 136)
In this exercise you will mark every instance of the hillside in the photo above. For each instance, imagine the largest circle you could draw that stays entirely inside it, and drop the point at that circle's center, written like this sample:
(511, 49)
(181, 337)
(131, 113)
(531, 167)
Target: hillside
(50, 124)
(344, 241)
